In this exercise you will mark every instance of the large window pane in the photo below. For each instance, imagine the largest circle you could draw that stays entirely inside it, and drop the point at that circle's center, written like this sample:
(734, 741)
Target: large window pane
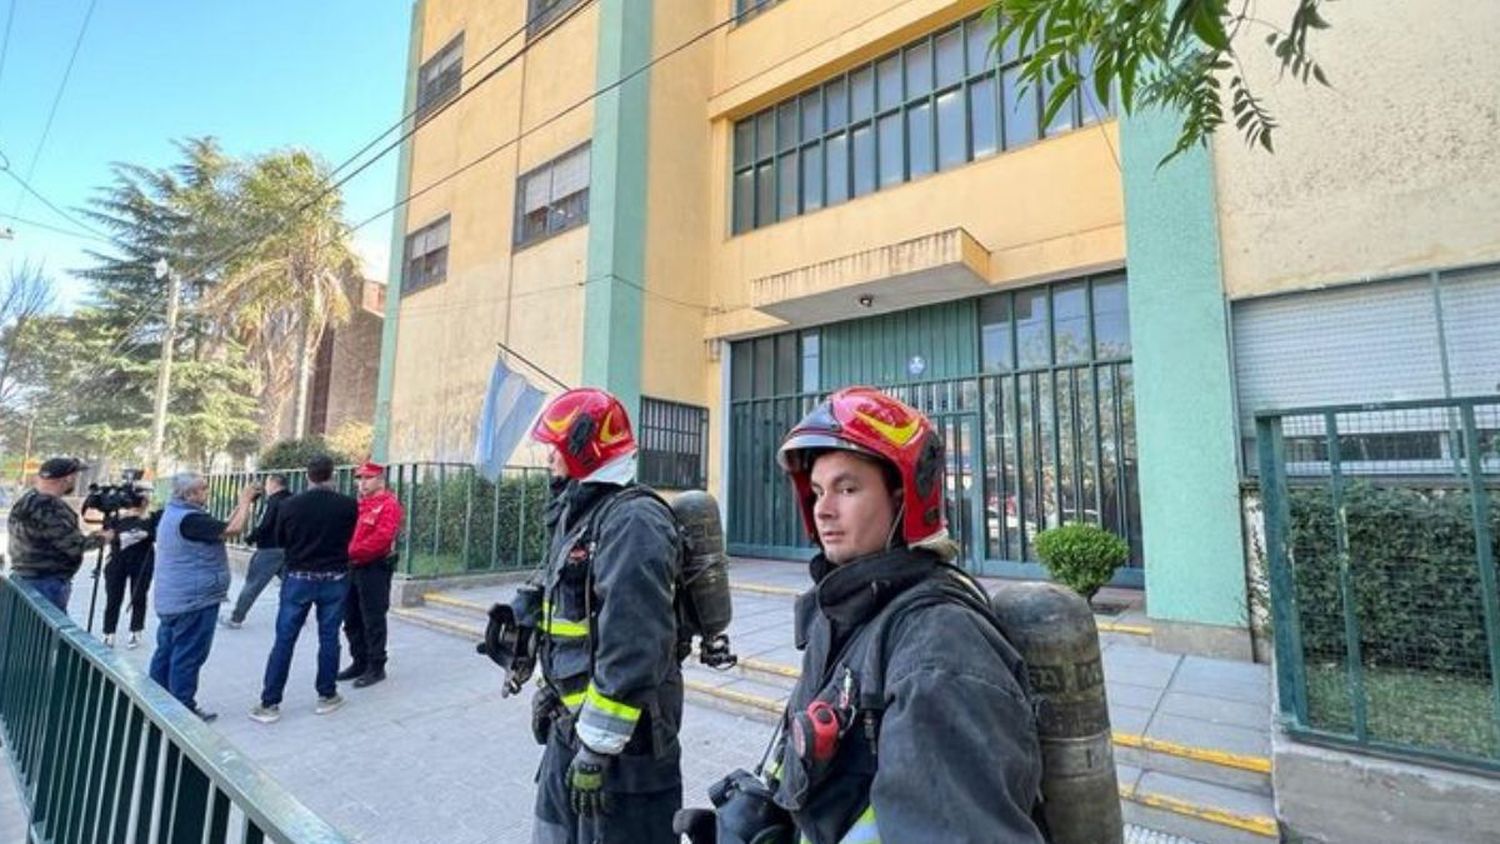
(836, 103)
(788, 178)
(996, 348)
(1092, 108)
(981, 37)
(950, 56)
(1070, 317)
(788, 363)
(1032, 345)
(765, 195)
(744, 142)
(744, 201)
(892, 157)
(864, 160)
(1111, 319)
(811, 362)
(836, 160)
(983, 131)
(888, 74)
(741, 364)
(918, 70)
(765, 134)
(812, 178)
(862, 93)
(952, 145)
(765, 367)
(787, 124)
(1063, 120)
(919, 139)
(812, 116)
(1020, 110)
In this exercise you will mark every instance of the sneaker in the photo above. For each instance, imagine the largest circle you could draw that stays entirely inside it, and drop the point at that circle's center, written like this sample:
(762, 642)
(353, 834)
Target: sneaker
(266, 714)
(228, 621)
(369, 678)
(328, 704)
(109, 640)
(353, 672)
(134, 641)
(207, 717)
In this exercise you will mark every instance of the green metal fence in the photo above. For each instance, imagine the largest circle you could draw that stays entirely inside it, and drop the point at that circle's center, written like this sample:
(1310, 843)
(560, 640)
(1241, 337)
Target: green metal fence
(101, 753)
(456, 520)
(1382, 523)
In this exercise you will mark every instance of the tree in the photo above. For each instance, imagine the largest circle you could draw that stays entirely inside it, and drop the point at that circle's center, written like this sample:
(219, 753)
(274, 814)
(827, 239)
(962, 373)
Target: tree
(1172, 54)
(281, 294)
(25, 297)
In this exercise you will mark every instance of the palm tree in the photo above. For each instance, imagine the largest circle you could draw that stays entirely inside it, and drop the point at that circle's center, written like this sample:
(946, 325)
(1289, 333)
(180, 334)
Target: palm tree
(281, 293)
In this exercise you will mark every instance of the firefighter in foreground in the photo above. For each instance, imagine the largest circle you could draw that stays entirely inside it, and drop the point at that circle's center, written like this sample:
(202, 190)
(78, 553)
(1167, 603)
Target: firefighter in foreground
(610, 700)
(912, 720)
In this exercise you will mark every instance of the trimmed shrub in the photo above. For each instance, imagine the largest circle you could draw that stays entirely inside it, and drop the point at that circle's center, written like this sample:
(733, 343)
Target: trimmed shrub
(294, 454)
(1081, 556)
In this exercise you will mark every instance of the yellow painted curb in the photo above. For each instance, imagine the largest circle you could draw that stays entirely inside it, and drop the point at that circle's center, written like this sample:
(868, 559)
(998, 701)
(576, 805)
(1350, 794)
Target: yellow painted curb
(449, 626)
(1127, 629)
(1222, 758)
(1257, 824)
(743, 698)
(456, 603)
(763, 589)
(765, 667)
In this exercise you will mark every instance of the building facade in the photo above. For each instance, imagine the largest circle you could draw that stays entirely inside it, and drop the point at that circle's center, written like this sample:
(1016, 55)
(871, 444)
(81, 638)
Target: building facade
(722, 210)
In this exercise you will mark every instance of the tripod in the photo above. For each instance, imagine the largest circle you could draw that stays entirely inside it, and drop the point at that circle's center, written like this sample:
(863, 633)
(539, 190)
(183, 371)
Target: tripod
(94, 598)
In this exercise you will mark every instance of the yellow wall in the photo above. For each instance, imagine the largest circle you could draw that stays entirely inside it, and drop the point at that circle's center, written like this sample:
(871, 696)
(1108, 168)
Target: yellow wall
(531, 300)
(1393, 169)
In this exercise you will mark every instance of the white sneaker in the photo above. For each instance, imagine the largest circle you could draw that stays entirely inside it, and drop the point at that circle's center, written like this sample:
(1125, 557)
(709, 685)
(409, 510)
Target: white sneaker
(109, 640)
(265, 714)
(134, 641)
(328, 704)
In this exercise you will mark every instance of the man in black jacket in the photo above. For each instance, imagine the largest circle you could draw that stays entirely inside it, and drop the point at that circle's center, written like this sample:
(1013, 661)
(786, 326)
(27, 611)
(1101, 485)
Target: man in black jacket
(268, 558)
(313, 528)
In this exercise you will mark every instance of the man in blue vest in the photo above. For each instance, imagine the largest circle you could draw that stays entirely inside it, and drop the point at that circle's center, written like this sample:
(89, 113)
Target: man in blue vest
(192, 579)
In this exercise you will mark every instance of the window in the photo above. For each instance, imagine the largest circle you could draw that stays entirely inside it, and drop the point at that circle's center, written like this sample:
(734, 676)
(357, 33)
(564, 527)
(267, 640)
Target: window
(935, 104)
(440, 77)
(1051, 326)
(541, 14)
(553, 198)
(426, 261)
(745, 9)
(673, 452)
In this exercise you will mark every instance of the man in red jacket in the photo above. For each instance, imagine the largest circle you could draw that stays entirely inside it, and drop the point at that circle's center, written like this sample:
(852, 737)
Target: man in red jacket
(371, 562)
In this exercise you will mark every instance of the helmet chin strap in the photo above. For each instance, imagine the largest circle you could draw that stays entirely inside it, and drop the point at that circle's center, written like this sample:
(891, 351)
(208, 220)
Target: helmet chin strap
(890, 538)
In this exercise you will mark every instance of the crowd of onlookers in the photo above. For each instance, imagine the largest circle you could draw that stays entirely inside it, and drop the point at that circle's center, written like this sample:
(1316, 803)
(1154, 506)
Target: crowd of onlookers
(332, 553)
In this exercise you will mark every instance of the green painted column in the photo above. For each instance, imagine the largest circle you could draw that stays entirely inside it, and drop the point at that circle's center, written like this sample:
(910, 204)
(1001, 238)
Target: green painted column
(1184, 393)
(617, 202)
(380, 450)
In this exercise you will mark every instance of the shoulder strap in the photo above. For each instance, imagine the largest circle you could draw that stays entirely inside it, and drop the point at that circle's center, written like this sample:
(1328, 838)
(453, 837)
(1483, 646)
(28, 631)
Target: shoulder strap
(627, 493)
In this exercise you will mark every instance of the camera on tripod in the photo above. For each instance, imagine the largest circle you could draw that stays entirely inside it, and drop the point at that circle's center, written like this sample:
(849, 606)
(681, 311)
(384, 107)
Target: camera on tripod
(110, 499)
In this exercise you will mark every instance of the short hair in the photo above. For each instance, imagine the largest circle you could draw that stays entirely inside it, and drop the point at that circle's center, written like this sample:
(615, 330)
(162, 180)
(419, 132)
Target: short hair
(279, 478)
(184, 483)
(320, 468)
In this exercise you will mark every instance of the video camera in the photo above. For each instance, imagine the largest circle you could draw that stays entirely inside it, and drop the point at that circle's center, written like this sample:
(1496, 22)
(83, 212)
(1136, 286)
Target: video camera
(110, 499)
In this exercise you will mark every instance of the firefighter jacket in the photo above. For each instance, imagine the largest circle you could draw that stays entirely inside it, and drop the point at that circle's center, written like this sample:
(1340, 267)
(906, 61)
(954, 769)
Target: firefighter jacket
(44, 536)
(609, 631)
(938, 738)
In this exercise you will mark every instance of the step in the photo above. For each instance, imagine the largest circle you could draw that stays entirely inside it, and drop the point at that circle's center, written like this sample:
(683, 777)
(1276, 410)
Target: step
(1206, 812)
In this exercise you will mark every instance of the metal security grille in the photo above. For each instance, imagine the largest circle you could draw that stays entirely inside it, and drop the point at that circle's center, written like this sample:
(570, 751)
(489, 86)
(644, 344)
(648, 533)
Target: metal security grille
(1381, 551)
(673, 444)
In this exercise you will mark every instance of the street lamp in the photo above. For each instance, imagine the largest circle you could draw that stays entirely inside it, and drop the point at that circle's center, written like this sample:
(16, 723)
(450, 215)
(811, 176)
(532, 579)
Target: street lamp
(163, 270)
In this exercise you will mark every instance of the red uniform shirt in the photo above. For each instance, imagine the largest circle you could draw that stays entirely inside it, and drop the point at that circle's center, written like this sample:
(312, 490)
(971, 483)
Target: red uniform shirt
(375, 533)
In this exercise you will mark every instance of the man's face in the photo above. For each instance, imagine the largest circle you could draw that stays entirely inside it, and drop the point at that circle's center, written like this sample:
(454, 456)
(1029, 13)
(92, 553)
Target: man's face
(852, 508)
(274, 486)
(370, 485)
(68, 483)
(197, 495)
(556, 464)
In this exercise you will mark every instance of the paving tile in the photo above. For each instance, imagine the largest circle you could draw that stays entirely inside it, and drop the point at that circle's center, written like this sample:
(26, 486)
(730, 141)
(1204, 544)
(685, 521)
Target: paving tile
(1200, 733)
(1139, 697)
(1129, 719)
(1127, 775)
(1251, 716)
(1206, 794)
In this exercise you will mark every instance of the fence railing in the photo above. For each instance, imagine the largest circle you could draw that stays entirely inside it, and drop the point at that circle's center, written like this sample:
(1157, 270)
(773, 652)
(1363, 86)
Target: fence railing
(101, 753)
(1382, 523)
(456, 521)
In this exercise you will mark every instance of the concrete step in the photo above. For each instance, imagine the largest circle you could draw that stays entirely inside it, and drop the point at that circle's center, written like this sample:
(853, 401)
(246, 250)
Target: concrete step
(1206, 812)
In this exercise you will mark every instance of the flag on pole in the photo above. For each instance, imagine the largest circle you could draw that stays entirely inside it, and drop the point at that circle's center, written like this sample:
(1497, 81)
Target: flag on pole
(510, 405)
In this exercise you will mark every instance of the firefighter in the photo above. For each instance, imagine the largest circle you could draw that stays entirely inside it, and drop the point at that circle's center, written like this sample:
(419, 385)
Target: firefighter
(610, 697)
(912, 720)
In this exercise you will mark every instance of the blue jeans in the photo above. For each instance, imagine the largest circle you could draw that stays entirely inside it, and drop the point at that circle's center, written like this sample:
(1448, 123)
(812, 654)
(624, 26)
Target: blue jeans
(298, 596)
(264, 564)
(182, 643)
(56, 588)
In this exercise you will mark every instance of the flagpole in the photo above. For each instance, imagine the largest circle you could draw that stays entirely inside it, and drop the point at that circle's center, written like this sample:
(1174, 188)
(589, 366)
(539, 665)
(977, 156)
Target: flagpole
(522, 359)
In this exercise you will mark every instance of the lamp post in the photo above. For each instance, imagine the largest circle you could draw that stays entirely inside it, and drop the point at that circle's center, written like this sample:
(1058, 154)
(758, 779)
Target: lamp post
(164, 373)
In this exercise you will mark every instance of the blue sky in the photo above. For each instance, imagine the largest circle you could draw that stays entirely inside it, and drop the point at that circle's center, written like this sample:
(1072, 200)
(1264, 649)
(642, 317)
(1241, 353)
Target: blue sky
(326, 75)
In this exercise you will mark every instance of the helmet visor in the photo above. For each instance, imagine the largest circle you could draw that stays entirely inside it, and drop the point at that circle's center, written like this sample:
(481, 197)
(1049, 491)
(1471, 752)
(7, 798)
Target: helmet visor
(793, 453)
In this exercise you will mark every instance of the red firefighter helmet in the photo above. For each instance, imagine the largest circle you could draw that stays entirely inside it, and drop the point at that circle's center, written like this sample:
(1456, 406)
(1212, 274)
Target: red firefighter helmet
(588, 427)
(866, 421)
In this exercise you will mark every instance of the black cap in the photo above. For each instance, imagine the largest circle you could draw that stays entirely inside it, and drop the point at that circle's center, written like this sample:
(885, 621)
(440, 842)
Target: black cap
(60, 467)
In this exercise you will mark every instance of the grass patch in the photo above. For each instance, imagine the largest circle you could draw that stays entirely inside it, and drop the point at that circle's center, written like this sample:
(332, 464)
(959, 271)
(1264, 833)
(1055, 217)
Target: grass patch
(1427, 710)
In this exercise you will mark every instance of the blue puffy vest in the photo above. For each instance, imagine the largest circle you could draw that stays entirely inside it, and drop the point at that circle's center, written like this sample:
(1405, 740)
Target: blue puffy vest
(189, 575)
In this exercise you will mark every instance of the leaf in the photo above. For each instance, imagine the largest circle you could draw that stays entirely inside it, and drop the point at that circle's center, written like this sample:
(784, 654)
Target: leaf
(1318, 75)
(1058, 97)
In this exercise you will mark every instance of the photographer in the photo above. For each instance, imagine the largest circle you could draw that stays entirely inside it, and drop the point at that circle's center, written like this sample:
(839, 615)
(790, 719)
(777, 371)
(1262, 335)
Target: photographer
(46, 544)
(131, 558)
(268, 559)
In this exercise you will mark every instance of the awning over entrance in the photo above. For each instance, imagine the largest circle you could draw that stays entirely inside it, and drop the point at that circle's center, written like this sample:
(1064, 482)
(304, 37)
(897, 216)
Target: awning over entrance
(933, 268)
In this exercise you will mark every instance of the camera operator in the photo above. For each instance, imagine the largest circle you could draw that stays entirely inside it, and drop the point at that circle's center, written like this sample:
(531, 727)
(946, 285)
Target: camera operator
(131, 559)
(47, 546)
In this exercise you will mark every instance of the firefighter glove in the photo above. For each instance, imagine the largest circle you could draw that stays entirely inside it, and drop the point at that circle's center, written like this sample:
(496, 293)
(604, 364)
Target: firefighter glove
(586, 783)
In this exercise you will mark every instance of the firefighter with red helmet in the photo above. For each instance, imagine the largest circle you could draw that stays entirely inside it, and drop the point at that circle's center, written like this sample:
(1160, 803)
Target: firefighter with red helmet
(912, 719)
(610, 701)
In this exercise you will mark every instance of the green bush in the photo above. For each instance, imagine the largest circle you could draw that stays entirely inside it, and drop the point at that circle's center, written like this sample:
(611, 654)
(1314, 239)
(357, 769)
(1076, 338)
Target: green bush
(459, 522)
(294, 454)
(1413, 572)
(1082, 557)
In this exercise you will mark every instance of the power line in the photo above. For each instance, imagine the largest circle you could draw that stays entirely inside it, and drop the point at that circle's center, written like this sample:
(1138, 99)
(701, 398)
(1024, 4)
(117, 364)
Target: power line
(57, 229)
(57, 98)
(10, 18)
(25, 185)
